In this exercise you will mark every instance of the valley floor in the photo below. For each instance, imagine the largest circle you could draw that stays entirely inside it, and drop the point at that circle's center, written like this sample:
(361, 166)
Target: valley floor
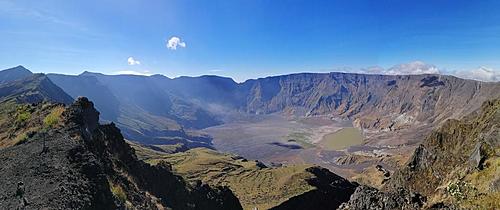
(332, 143)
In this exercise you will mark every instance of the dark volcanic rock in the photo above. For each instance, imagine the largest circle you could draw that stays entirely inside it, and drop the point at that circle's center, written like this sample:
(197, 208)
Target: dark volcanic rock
(421, 158)
(332, 190)
(478, 156)
(65, 176)
(84, 165)
(365, 198)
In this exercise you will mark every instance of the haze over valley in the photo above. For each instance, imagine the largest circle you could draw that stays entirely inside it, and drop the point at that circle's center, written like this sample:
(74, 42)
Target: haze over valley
(249, 105)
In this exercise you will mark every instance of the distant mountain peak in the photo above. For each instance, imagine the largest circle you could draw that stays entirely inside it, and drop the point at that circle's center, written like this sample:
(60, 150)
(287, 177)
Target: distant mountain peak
(33, 89)
(17, 68)
(14, 73)
(89, 73)
(20, 67)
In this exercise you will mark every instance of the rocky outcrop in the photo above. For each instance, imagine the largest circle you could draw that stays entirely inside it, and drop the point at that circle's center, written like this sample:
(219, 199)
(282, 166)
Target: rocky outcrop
(478, 156)
(370, 198)
(84, 165)
(455, 167)
(331, 191)
(454, 145)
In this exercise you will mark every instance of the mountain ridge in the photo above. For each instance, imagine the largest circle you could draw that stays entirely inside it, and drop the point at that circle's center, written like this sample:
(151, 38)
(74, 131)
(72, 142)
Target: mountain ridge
(14, 73)
(373, 102)
(33, 88)
(150, 108)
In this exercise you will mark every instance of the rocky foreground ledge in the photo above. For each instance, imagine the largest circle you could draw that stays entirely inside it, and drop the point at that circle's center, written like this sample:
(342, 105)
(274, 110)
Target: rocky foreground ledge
(80, 164)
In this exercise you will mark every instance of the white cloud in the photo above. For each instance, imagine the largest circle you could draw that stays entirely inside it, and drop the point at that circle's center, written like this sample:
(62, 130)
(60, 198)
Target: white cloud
(373, 70)
(130, 72)
(415, 67)
(216, 70)
(482, 74)
(175, 42)
(131, 61)
(419, 67)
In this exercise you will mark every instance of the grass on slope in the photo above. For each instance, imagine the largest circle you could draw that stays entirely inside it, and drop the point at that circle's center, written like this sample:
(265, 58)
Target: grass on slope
(18, 122)
(483, 197)
(446, 170)
(254, 185)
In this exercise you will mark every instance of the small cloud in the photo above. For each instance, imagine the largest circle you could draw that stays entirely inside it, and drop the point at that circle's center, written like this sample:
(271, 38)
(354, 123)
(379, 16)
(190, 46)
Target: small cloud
(216, 70)
(175, 42)
(130, 72)
(482, 74)
(415, 67)
(373, 70)
(131, 61)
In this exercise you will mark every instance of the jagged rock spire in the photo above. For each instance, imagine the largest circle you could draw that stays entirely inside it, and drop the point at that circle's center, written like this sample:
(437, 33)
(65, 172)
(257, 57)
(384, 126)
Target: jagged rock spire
(84, 115)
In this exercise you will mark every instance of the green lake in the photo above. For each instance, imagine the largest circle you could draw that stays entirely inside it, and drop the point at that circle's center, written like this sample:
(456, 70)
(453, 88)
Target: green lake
(342, 139)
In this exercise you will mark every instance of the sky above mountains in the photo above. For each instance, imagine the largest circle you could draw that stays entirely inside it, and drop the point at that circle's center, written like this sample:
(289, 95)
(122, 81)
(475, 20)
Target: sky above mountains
(248, 39)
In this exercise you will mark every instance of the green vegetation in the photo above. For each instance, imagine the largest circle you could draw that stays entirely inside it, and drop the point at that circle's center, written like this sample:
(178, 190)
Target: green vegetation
(118, 192)
(23, 114)
(21, 138)
(483, 197)
(342, 139)
(301, 138)
(459, 190)
(254, 186)
(19, 122)
(52, 119)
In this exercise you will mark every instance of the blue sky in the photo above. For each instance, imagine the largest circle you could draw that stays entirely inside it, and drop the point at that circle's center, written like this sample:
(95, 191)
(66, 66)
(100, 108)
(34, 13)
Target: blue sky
(247, 38)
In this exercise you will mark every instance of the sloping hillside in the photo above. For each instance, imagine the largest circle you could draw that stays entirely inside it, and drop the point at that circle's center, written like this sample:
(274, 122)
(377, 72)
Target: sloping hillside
(33, 89)
(73, 162)
(256, 185)
(456, 166)
(143, 112)
(459, 163)
(15, 73)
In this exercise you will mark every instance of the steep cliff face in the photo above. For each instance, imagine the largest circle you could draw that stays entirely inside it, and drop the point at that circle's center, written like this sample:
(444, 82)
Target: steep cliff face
(76, 163)
(462, 154)
(373, 101)
(456, 166)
